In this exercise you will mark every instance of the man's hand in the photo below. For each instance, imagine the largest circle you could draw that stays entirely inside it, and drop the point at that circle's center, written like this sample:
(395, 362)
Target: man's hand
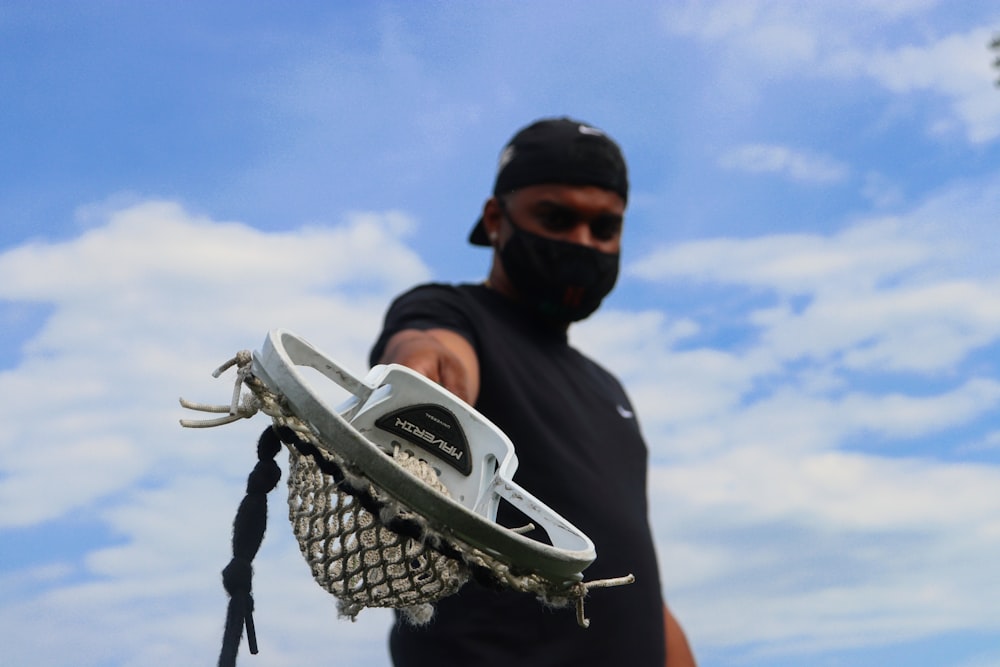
(439, 354)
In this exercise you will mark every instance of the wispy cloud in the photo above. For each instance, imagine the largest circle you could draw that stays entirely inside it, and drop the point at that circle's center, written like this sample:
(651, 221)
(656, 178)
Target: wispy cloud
(905, 293)
(799, 166)
(765, 41)
(956, 67)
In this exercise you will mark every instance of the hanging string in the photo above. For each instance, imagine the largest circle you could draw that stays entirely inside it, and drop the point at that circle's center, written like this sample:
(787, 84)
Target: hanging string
(248, 533)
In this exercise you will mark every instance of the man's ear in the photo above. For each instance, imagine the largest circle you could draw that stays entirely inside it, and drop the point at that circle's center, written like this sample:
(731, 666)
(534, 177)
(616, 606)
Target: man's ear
(492, 217)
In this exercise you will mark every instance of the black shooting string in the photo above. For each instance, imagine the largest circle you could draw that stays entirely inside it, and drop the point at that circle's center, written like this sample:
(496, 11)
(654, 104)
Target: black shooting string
(248, 533)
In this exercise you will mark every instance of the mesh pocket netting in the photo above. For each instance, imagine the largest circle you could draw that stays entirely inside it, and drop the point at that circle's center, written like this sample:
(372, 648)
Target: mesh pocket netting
(354, 556)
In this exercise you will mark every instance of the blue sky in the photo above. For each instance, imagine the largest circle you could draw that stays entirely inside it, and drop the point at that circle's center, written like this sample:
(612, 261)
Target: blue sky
(808, 318)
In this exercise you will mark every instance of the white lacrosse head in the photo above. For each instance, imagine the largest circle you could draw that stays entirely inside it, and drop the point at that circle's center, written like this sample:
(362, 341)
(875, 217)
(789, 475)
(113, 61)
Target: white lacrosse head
(395, 407)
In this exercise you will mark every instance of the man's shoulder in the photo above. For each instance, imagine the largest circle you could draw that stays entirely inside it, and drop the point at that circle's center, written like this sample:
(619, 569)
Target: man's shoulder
(436, 290)
(449, 295)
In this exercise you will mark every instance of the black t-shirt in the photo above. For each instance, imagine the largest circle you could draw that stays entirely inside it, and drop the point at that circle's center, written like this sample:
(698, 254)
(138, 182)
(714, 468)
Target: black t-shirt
(581, 452)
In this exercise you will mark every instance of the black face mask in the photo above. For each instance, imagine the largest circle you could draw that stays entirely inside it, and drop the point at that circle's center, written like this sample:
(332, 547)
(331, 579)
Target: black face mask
(563, 281)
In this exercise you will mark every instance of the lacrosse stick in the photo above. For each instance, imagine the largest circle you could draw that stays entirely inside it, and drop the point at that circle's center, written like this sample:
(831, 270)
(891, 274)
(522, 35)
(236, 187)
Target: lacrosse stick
(393, 494)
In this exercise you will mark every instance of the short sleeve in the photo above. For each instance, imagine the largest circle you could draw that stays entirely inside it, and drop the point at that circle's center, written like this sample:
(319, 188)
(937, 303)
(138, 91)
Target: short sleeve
(431, 306)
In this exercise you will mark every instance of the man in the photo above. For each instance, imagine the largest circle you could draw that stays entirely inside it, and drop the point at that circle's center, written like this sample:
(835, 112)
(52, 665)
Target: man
(554, 223)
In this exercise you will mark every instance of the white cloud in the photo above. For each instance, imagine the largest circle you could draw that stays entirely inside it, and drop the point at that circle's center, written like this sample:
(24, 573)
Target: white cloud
(144, 306)
(765, 41)
(917, 292)
(145, 303)
(956, 67)
(831, 551)
(917, 328)
(156, 598)
(797, 165)
(670, 385)
(988, 442)
(811, 469)
(794, 264)
(766, 33)
(881, 190)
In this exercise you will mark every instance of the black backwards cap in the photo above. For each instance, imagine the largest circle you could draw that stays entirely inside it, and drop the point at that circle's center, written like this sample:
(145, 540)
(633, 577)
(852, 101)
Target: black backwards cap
(557, 150)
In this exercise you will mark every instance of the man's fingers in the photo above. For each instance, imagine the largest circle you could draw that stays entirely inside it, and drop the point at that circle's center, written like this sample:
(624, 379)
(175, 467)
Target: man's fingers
(452, 376)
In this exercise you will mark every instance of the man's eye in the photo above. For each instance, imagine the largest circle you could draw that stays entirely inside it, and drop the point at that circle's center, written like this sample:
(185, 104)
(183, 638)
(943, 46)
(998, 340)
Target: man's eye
(558, 220)
(605, 229)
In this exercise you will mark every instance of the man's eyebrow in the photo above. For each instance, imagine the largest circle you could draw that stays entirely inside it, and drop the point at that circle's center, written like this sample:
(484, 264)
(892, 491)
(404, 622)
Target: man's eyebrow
(548, 204)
